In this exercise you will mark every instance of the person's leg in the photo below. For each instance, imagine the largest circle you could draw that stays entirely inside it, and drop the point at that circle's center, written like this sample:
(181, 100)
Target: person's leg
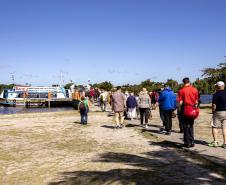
(161, 117)
(82, 117)
(117, 119)
(146, 114)
(133, 113)
(215, 133)
(224, 131)
(105, 106)
(185, 129)
(179, 115)
(168, 121)
(215, 123)
(121, 119)
(86, 117)
(165, 120)
(141, 116)
(224, 135)
(138, 113)
(129, 113)
(101, 106)
(191, 139)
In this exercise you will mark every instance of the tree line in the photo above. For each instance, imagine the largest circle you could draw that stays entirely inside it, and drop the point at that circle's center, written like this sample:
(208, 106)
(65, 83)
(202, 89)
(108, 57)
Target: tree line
(205, 85)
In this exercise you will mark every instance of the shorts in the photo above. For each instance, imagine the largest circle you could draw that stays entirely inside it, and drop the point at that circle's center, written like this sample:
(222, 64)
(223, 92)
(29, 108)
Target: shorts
(219, 119)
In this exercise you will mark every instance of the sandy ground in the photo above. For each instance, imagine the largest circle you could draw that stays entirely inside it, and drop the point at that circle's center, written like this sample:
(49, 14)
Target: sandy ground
(53, 148)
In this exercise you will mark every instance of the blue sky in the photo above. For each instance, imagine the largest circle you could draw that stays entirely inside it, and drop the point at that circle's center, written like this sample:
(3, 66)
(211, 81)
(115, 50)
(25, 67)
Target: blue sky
(122, 41)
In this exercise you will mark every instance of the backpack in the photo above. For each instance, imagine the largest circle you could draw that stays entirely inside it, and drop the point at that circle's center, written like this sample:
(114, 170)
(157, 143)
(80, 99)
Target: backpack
(82, 106)
(102, 98)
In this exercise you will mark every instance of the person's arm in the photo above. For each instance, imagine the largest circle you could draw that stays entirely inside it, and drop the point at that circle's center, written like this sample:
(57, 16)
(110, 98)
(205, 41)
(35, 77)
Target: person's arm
(124, 100)
(197, 98)
(214, 103)
(180, 98)
(127, 102)
(160, 98)
(175, 101)
(213, 108)
(79, 105)
(149, 100)
(135, 101)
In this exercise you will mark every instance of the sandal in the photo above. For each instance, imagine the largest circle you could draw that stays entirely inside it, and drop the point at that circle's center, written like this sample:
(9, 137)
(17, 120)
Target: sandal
(213, 144)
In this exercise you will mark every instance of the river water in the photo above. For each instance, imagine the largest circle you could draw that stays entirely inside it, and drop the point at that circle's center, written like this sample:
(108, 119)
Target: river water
(18, 110)
(206, 99)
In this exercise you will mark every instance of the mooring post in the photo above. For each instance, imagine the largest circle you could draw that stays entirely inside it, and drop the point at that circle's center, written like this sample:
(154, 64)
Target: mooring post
(24, 99)
(49, 98)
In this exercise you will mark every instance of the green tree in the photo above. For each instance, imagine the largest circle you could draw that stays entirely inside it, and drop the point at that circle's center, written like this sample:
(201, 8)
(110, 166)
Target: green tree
(212, 75)
(173, 84)
(68, 85)
(202, 85)
(107, 85)
(5, 86)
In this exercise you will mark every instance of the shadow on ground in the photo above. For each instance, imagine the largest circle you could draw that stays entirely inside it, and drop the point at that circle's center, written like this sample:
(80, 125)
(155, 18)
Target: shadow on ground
(163, 167)
(108, 126)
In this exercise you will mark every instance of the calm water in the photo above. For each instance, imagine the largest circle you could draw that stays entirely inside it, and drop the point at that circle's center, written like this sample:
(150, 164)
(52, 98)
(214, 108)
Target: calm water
(17, 110)
(206, 99)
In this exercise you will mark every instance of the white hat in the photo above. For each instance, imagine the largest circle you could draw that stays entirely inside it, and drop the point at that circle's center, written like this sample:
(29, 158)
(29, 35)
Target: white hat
(220, 84)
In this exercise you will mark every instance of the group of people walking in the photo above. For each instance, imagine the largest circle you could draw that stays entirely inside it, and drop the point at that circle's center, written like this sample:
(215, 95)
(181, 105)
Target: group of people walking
(186, 102)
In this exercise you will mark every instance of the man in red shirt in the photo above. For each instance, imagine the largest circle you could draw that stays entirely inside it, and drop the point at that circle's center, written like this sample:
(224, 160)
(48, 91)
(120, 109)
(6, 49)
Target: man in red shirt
(188, 95)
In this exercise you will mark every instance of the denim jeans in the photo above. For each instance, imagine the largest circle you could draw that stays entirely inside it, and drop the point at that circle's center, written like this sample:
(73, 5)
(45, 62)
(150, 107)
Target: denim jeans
(84, 116)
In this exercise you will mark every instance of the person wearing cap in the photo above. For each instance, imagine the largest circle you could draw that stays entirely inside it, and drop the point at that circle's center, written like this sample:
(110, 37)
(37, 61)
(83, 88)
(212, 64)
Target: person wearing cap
(219, 114)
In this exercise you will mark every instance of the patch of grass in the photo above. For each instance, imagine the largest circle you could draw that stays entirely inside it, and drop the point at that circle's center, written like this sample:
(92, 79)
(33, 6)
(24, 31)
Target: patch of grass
(79, 145)
(39, 137)
(13, 132)
(148, 135)
(6, 156)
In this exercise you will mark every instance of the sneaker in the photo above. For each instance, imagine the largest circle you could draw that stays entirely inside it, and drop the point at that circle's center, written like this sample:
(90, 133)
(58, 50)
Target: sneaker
(168, 133)
(224, 146)
(121, 126)
(117, 126)
(162, 131)
(146, 126)
(213, 144)
(188, 145)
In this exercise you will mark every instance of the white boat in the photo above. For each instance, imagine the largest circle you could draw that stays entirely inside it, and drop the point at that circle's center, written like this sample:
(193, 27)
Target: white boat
(18, 93)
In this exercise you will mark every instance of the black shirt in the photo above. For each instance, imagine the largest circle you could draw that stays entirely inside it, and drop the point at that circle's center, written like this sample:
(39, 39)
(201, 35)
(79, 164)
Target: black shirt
(219, 99)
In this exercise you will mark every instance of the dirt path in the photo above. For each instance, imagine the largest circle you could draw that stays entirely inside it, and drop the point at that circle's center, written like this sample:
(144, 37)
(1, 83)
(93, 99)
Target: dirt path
(53, 148)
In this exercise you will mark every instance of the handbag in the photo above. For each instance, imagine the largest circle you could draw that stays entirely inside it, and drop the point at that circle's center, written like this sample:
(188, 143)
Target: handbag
(191, 111)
